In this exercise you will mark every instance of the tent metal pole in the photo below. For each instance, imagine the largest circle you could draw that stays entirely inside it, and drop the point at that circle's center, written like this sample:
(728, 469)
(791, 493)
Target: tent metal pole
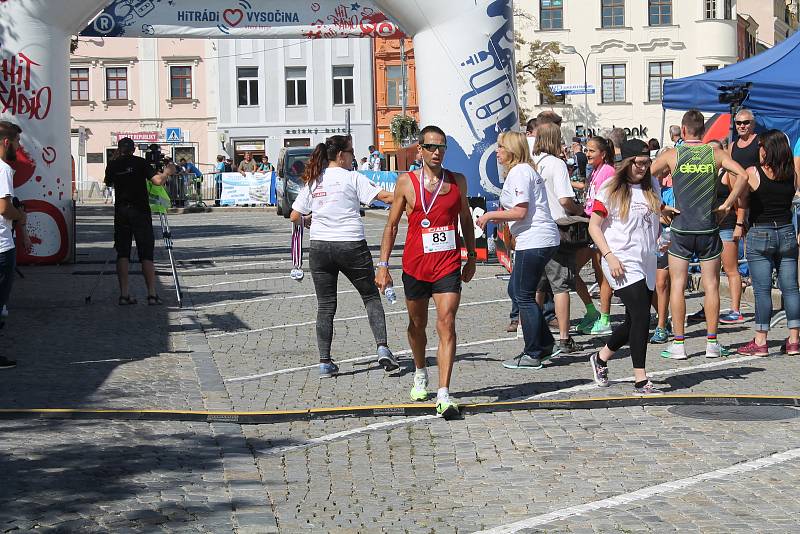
(663, 124)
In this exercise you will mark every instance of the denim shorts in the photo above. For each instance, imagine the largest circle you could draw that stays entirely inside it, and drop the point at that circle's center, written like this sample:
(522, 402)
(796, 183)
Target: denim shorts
(726, 235)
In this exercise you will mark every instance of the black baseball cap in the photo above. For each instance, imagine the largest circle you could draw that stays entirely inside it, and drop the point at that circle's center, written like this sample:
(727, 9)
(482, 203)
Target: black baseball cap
(126, 143)
(634, 147)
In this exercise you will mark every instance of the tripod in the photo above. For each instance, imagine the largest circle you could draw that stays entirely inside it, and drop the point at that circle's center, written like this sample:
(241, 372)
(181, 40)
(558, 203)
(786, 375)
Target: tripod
(166, 234)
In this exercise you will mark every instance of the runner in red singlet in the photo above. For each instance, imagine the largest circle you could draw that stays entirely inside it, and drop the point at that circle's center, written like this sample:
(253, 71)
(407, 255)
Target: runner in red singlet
(434, 200)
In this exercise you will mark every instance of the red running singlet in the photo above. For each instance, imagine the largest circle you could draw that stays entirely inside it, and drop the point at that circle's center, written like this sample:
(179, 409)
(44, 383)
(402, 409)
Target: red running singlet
(442, 233)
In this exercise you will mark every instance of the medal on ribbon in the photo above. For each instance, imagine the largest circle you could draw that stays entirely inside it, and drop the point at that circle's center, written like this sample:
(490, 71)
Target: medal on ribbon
(426, 223)
(297, 252)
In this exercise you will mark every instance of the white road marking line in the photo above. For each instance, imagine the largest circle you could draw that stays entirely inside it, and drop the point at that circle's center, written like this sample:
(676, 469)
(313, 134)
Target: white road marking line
(647, 492)
(234, 282)
(189, 269)
(309, 323)
(294, 297)
(344, 434)
(363, 358)
(654, 374)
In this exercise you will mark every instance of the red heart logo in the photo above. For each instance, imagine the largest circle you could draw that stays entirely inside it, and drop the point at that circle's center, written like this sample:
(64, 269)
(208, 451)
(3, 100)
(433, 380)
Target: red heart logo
(233, 16)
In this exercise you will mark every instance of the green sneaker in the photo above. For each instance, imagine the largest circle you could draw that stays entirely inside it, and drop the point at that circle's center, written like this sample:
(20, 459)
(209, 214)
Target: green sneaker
(420, 390)
(601, 328)
(447, 409)
(586, 324)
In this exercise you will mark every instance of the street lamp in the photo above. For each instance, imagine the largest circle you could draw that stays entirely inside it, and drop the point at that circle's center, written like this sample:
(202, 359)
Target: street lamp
(585, 60)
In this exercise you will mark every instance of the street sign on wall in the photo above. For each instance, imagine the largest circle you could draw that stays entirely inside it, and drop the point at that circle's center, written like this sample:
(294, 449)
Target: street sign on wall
(572, 89)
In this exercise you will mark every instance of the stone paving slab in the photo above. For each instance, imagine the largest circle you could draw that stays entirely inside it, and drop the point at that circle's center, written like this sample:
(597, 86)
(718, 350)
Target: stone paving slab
(346, 474)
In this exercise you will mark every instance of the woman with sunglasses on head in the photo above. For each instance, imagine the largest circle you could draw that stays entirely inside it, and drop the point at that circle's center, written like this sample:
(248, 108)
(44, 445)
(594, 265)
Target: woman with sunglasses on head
(600, 152)
(527, 212)
(625, 227)
(772, 240)
(334, 194)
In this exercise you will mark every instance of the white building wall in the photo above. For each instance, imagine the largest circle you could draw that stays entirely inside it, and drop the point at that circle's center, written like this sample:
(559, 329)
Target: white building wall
(272, 121)
(691, 43)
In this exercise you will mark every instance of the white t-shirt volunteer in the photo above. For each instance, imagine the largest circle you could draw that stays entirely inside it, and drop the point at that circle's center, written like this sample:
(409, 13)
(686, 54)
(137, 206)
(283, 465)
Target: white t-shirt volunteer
(537, 229)
(634, 241)
(6, 191)
(556, 182)
(335, 200)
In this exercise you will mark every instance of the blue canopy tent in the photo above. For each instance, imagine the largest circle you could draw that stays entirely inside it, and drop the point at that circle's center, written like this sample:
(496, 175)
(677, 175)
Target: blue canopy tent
(774, 95)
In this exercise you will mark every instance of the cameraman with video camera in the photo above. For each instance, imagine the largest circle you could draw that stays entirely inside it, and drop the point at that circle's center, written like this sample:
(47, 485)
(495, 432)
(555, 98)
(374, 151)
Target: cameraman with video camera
(128, 174)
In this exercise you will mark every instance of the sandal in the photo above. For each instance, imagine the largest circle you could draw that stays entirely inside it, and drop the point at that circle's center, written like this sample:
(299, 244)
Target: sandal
(154, 301)
(126, 300)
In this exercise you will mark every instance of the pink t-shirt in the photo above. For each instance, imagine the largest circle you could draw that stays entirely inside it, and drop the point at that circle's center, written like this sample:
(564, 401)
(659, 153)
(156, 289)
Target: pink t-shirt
(599, 177)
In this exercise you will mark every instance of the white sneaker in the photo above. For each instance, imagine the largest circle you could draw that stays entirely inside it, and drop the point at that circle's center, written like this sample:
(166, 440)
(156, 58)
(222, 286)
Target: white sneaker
(675, 352)
(715, 350)
(419, 392)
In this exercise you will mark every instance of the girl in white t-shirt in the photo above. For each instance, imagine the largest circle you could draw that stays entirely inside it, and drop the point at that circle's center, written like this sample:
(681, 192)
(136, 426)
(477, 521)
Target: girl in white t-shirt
(527, 212)
(625, 227)
(333, 194)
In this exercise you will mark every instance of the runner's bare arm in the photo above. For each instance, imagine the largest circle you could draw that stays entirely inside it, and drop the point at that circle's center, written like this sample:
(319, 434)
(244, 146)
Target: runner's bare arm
(385, 197)
(467, 229)
(737, 177)
(382, 277)
(664, 163)
(161, 179)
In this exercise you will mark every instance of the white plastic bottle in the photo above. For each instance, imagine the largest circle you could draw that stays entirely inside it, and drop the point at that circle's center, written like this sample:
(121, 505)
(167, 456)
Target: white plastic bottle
(391, 296)
(663, 242)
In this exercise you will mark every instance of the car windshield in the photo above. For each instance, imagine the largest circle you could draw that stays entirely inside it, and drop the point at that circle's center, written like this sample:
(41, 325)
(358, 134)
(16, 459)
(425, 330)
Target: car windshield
(296, 164)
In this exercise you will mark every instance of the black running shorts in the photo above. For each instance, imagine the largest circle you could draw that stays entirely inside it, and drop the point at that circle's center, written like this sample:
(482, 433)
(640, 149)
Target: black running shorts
(417, 289)
(703, 247)
(133, 223)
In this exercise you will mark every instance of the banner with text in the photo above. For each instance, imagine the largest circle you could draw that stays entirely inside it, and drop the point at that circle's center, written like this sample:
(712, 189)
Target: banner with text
(250, 189)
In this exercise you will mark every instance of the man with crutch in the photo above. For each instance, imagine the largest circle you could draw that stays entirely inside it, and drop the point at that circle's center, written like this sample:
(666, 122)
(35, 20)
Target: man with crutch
(128, 174)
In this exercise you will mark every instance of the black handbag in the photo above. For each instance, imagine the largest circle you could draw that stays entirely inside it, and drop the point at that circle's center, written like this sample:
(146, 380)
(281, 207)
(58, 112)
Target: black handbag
(574, 231)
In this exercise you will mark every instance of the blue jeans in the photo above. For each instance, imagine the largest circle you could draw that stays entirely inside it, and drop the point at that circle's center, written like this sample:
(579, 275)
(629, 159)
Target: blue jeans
(769, 249)
(528, 270)
(514, 315)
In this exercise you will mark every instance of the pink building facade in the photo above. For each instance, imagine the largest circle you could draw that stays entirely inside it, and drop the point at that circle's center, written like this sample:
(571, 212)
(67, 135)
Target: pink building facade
(153, 90)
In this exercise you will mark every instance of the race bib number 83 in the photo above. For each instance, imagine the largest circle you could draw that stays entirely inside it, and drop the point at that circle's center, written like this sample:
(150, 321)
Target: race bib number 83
(440, 239)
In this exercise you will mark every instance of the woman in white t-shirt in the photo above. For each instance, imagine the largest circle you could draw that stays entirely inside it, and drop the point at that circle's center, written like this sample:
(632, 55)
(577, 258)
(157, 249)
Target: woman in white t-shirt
(526, 210)
(333, 194)
(625, 227)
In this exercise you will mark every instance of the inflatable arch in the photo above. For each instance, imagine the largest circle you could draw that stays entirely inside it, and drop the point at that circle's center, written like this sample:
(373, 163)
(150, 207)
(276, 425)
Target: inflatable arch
(464, 60)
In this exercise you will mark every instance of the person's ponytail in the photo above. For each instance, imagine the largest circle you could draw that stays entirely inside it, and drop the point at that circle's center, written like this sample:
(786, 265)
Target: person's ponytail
(316, 165)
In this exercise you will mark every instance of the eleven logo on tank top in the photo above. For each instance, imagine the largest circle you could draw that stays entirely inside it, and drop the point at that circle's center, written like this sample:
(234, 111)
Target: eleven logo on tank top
(694, 184)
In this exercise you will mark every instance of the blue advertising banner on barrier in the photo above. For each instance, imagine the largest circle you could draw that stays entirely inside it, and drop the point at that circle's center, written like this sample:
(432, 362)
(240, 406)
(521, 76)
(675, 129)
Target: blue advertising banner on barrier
(386, 180)
(251, 189)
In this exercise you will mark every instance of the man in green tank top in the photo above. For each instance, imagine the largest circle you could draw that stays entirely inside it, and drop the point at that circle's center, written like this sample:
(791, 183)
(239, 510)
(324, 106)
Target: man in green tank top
(695, 228)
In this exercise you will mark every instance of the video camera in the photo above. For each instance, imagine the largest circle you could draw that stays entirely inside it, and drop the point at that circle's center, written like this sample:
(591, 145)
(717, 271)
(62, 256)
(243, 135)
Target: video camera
(155, 157)
(735, 93)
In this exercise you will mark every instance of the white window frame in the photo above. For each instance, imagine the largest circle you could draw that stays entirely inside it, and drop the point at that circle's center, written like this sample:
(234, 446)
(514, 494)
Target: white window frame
(612, 63)
(649, 77)
(296, 81)
(342, 80)
(249, 80)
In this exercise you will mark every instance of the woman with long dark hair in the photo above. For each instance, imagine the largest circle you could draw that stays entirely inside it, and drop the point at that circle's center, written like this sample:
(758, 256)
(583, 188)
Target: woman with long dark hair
(600, 152)
(625, 227)
(772, 240)
(334, 194)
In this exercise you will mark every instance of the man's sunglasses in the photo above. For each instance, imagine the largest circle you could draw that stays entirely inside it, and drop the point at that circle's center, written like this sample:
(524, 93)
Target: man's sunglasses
(743, 123)
(432, 147)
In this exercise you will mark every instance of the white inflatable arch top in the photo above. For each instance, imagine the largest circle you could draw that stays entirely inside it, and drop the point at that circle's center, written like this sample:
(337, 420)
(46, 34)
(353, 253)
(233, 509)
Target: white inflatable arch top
(464, 59)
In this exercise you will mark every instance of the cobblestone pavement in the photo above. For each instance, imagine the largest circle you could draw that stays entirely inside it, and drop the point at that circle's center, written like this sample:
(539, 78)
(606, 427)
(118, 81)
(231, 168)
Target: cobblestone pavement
(246, 341)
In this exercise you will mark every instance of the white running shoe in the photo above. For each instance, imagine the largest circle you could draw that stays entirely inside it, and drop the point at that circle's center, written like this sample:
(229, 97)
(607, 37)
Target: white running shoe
(675, 352)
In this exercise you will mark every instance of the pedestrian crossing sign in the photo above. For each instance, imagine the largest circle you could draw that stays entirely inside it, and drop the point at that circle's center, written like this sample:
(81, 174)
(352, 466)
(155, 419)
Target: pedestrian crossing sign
(174, 135)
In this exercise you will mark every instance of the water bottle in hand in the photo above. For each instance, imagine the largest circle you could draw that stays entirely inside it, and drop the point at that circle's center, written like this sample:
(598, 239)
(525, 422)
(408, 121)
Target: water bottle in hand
(663, 242)
(391, 296)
